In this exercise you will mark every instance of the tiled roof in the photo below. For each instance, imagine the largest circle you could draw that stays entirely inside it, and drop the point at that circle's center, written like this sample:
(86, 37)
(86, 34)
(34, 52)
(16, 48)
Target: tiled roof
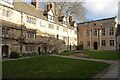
(31, 10)
(28, 9)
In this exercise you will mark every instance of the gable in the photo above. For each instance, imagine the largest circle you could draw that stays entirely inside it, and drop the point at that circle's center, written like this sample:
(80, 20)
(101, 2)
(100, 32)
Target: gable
(64, 19)
(50, 12)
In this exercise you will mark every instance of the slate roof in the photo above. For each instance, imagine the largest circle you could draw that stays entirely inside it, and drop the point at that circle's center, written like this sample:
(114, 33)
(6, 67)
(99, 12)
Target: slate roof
(97, 20)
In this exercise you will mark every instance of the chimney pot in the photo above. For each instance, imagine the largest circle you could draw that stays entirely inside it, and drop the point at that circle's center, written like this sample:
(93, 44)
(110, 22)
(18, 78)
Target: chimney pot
(51, 6)
(70, 19)
(35, 3)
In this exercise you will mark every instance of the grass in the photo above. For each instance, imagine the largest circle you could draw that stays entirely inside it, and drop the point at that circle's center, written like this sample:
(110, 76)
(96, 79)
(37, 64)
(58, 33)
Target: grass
(68, 53)
(107, 55)
(52, 67)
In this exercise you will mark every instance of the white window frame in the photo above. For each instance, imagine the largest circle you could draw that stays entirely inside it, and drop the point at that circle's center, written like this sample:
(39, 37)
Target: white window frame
(42, 23)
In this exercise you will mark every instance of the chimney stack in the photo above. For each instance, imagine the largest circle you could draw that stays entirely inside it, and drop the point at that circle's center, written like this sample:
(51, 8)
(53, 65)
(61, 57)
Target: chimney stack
(51, 6)
(35, 3)
(70, 19)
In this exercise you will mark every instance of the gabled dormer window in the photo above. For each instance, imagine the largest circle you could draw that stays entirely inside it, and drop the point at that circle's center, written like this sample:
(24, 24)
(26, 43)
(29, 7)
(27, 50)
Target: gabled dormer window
(64, 22)
(50, 17)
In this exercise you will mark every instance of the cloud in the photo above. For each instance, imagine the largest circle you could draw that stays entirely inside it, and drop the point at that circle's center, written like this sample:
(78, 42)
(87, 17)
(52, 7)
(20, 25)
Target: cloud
(119, 11)
(97, 9)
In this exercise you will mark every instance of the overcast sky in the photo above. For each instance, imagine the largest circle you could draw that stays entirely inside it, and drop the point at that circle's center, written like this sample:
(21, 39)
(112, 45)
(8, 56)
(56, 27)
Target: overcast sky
(119, 11)
(98, 9)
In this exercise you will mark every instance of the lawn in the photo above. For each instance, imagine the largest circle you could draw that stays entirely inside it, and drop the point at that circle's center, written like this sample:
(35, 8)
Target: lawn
(52, 67)
(68, 53)
(108, 55)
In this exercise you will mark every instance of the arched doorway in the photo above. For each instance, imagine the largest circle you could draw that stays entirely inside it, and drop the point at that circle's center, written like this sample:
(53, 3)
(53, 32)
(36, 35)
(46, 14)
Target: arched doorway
(5, 50)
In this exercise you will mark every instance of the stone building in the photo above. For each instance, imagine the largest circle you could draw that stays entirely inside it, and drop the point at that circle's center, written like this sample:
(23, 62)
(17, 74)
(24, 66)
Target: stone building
(98, 34)
(27, 29)
(118, 36)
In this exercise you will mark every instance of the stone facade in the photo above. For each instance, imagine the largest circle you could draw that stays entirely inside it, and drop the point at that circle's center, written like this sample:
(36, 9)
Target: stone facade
(29, 44)
(0, 40)
(119, 42)
(98, 35)
(118, 37)
(41, 31)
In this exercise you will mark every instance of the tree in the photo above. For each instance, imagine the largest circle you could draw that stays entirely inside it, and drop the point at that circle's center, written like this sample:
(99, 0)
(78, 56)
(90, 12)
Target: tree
(75, 9)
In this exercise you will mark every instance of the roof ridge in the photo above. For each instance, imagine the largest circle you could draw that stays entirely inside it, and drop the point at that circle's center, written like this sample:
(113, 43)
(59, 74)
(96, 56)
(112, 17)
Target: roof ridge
(99, 19)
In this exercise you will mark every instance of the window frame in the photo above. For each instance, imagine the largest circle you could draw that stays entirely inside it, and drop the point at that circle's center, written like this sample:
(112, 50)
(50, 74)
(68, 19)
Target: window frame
(112, 42)
(31, 20)
(51, 26)
(103, 43)
(42, 23)
(103, 31)
(111, 30)
(88, 32)
(95, 32)
(88, 43)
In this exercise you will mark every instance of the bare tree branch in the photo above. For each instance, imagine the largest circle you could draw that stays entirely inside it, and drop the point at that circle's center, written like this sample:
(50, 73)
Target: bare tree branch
(75, 9)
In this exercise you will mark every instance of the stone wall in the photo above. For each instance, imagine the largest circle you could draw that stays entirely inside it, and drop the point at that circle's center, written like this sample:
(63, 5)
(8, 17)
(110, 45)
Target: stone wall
(0, 39)
(119, 42)
(98, 25)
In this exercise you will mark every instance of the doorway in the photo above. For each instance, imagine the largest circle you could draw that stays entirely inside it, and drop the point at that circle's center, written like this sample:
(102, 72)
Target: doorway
(95, 46)
(5, 50)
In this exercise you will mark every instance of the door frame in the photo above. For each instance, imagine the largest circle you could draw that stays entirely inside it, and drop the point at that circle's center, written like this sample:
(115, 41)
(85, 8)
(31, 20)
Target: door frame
(5, 47)
(95, 44)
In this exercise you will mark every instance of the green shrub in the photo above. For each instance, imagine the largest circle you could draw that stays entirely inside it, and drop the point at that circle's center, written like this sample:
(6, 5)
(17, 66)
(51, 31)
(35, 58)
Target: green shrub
(66, 51)
(80, 47)
(14, 54)
(55, 51)
(33, 53)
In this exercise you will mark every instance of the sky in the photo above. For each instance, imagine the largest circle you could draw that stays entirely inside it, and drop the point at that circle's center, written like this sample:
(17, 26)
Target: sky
(98, 9)
(119, 12)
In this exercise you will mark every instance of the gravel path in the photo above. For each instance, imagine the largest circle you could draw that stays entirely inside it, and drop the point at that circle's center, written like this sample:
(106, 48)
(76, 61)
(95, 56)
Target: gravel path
(111, 72)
